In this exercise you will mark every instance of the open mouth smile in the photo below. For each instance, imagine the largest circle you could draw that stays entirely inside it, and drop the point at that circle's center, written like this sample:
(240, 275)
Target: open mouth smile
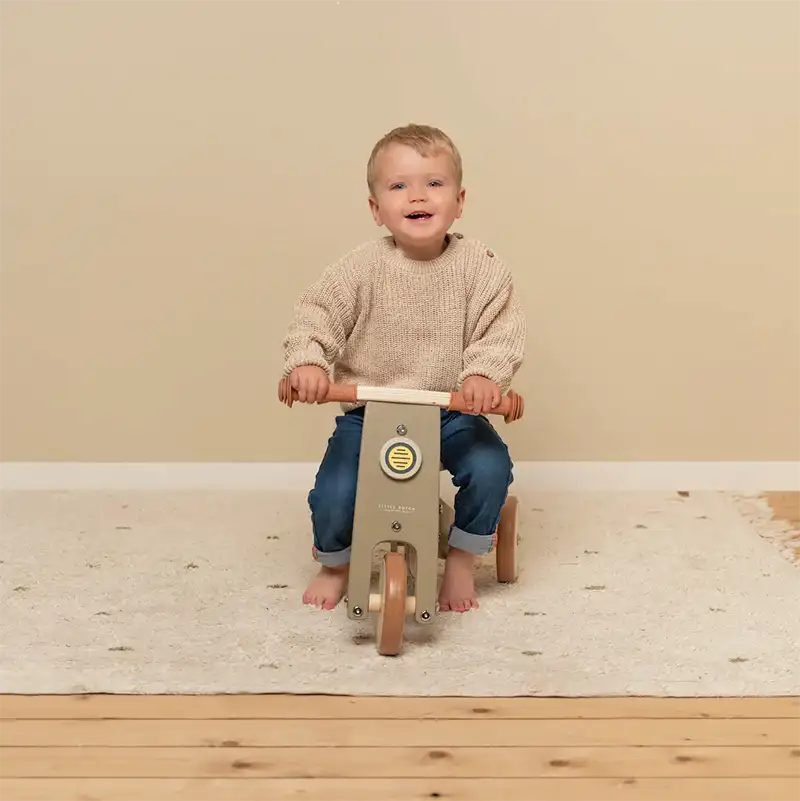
(419, 215)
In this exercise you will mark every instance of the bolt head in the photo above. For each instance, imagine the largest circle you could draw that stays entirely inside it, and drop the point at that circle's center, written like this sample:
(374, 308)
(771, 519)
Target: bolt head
(396, 525)
(426, 615)
(357, 611)
(402, 430)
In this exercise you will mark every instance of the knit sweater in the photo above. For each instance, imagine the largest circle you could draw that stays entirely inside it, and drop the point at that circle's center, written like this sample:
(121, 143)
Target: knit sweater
(377, 318)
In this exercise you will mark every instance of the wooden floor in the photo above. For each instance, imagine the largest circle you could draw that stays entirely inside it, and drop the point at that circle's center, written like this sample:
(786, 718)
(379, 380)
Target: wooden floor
(329, 748)
(786, 506)
(156, 748)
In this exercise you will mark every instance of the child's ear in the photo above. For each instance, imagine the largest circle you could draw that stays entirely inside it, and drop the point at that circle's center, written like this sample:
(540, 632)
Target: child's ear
(462, 194)
(375, 210)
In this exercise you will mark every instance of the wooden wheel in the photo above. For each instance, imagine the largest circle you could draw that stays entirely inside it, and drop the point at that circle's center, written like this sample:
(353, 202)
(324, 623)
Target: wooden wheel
(507, 541)
(392, 614)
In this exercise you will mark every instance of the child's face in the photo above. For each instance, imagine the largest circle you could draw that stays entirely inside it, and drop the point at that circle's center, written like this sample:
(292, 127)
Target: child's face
(416, 197)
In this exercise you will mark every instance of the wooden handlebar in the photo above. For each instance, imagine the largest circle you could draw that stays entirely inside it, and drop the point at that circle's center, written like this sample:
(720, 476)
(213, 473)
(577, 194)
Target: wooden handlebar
(511, 406)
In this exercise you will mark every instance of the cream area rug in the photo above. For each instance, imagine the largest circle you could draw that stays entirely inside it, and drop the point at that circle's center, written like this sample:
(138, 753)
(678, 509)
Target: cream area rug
(631, 593)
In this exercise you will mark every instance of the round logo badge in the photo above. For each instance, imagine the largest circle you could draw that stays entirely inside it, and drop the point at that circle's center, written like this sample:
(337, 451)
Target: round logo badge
(400, 458)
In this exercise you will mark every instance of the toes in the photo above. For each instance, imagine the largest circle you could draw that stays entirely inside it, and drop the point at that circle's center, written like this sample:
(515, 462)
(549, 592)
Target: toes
(460, 605)
(463, 605)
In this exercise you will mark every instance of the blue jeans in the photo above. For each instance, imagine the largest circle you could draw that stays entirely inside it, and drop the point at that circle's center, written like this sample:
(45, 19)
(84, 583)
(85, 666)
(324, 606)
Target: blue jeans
(471, 451)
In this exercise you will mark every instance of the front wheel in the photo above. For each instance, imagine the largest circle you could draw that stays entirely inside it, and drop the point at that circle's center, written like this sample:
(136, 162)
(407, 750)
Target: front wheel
(392, 614)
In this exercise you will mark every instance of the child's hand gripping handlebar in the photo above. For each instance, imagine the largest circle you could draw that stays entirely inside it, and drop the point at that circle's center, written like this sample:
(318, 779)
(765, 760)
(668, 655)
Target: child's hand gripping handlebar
(511, 406)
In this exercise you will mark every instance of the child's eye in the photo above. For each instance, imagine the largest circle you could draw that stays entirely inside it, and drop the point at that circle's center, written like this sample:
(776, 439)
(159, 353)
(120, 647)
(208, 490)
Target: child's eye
(436, 183)
(396, 186)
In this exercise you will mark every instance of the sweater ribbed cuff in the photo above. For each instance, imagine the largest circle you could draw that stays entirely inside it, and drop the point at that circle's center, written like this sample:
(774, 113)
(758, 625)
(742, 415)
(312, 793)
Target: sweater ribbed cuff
(503, 381)
(303, 359)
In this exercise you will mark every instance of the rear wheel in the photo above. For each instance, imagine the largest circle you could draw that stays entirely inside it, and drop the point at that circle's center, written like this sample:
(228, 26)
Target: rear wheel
(506, 547)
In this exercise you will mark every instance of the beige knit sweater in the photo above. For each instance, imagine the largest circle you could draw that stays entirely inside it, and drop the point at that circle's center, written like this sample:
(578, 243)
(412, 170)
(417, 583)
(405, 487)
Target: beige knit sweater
(377, 318)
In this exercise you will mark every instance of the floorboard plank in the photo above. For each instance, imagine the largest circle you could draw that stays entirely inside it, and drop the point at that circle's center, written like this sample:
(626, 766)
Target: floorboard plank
(420, 733)
(629, 789)
(402, 762)
(209, 707)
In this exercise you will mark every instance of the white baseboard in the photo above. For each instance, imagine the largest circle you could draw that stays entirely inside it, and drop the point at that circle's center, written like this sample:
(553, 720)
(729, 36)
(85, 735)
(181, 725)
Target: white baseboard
(542, 476)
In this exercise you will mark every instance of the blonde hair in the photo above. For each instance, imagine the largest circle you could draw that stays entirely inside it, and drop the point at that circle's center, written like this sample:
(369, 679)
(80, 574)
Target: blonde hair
(425, 139)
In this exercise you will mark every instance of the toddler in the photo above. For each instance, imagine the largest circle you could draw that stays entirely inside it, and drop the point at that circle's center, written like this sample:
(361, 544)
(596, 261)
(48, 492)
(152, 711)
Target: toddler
(424, 309)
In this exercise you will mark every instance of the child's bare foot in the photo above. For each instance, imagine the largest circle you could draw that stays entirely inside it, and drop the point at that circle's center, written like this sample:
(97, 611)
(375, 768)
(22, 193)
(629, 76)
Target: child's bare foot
(327, 587)
(457, 593)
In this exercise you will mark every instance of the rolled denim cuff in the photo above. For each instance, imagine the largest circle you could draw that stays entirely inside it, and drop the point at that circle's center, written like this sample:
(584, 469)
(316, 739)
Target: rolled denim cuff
(479, 544)
(332, 559)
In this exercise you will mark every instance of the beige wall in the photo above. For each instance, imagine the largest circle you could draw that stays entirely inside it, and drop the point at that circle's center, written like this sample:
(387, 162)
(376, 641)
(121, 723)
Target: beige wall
(174, 173)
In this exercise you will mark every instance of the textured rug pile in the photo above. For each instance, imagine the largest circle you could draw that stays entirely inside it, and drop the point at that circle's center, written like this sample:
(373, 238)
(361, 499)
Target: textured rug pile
(667, 594)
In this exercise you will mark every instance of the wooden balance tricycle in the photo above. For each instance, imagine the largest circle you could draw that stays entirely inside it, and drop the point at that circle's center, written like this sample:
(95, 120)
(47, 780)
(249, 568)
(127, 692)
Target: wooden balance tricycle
(398, 503)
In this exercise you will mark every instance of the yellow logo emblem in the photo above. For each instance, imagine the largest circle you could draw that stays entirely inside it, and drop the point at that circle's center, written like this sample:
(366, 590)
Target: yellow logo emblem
(401, 458)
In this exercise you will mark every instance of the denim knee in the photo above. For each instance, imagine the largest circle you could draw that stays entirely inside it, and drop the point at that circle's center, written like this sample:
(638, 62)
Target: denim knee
(489, 470)
(332, 503)
(333, 499)
(483, 477)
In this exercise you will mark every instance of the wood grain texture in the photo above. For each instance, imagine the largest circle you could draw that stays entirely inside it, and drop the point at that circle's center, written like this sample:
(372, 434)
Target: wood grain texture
(617, 789)
(785, 506)
(272, 747)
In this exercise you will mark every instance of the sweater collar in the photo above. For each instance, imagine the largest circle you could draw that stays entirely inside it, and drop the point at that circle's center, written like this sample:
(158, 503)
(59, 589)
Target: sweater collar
(395, 257)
